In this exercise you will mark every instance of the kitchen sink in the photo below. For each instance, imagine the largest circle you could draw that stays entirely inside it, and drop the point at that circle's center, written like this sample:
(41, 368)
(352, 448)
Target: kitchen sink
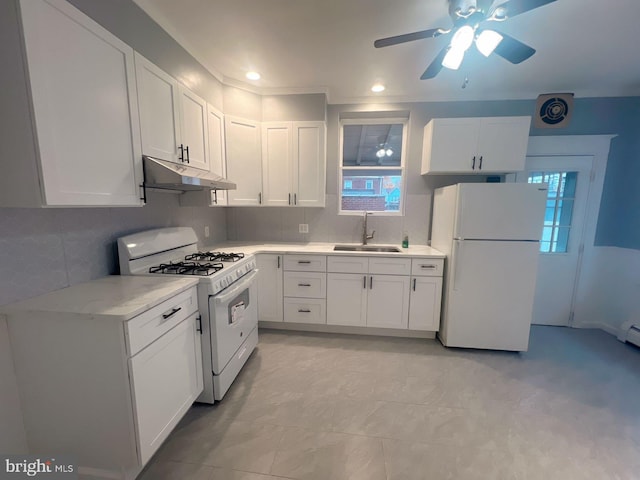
(365, 248)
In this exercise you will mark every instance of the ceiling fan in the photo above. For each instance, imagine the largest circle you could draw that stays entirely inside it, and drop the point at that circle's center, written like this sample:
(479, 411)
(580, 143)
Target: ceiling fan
(467, 17)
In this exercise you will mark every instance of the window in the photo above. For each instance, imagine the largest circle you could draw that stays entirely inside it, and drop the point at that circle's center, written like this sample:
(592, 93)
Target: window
(372, 166)
(557, 217)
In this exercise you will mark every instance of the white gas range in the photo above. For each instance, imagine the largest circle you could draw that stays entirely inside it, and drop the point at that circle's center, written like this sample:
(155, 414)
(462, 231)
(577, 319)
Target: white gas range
(226, 297)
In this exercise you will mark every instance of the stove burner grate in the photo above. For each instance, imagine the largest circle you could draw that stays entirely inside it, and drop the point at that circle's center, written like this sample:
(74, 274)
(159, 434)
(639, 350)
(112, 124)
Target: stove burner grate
(187, 268)
(215, 256)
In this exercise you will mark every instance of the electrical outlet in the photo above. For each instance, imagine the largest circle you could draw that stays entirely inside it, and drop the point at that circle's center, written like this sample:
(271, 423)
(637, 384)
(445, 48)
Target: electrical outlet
(206, 231)
(303, 228)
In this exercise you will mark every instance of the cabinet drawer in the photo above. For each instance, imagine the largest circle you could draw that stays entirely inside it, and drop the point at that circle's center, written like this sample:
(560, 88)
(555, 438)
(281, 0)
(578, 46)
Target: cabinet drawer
(305, 284)
(140, 331)
(344, 264)
(305, 263)
(427, 267)
(390, 266)
(305, 310)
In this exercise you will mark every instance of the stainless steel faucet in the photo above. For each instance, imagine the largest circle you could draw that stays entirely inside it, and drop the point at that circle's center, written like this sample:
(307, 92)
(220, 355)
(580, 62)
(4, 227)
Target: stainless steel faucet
(366, 236)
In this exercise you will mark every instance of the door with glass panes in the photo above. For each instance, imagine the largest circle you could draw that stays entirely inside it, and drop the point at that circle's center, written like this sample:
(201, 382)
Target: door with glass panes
(568, 178)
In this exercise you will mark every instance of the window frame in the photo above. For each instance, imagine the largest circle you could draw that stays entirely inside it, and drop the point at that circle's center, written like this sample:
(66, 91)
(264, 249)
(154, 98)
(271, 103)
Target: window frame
(405, 122)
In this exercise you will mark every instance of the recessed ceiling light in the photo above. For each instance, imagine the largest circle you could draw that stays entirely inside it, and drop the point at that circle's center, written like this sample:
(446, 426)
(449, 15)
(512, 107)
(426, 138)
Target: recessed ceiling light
(253, 75)
(377, 88)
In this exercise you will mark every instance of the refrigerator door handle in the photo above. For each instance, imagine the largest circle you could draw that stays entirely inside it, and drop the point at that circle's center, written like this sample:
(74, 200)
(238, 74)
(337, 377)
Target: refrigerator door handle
(456, 254)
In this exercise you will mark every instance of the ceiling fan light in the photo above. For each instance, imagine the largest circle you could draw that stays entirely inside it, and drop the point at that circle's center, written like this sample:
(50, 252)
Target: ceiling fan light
(463, 38)
(487, 42)
(380, 153)
(453, 58)
(388, 152)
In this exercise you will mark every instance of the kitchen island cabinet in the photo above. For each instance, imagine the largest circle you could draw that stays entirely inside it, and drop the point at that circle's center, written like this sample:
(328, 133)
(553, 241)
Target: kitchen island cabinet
(106, 369)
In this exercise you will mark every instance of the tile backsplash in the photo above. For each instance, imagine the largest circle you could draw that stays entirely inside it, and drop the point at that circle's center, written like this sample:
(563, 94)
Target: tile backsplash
(42, 250)
(273, 224)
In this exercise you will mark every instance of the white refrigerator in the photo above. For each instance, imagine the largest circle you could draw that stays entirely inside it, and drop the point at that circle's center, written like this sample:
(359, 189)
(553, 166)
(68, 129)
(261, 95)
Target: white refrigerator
(490, 233)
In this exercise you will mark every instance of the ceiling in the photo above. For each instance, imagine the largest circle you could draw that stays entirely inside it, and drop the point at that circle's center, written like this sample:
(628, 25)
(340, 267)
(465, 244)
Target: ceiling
(311, 46)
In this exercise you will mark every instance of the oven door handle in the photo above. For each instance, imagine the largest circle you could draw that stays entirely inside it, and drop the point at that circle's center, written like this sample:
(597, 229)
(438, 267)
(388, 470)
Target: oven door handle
(243, 283)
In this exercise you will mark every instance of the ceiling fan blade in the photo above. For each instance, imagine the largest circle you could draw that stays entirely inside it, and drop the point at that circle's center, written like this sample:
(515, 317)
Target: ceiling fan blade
(511, 8)
(409, 37)
(513, 50)
(435, 67)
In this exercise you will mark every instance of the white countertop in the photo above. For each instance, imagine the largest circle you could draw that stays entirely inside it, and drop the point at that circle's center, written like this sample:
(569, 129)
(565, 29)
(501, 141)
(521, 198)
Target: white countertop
(418, 251)
(118, 297)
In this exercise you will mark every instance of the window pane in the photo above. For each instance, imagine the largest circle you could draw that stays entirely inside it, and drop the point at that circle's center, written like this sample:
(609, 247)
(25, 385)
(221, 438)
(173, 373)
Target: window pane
(562, 243)
(372, 145)
(372, 191)
(565, 211)
(571, 178)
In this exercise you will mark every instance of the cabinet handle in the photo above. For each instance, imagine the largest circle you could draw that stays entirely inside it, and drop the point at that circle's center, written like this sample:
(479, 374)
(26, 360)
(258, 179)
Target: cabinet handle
(473, 165)
(364, 282)
(370, 283)
(289, 199)
(172, 313)
(278, 261)
(199, 324)
(215, 197)
(260, 198)
(428, 267)
(480, 166)
(181, 157)
(303, 310)
(295, 199)
(305, 262)
(186, 149)
(414, 284)
(304, 284)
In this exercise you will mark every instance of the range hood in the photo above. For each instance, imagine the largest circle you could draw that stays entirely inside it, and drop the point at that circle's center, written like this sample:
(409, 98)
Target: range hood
(172, 176)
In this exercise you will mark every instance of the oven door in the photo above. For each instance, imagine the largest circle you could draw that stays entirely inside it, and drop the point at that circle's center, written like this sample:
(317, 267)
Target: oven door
(234, 315)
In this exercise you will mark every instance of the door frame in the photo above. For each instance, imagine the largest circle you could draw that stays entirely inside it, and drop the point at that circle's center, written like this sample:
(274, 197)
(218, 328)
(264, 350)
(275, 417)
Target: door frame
(598, 147)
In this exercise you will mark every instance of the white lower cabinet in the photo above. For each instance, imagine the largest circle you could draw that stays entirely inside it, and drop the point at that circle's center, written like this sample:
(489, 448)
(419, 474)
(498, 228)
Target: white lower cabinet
(424, 304)
(101, 379)
(305, 289)
(380, 292)
(347, 299)
(305, 310)
(388, 301)
(166, 377)
(270, 287)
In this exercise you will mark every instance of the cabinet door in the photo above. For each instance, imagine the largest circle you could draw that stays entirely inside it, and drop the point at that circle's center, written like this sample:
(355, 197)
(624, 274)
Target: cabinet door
(270, 288)
(388, 301)
(193, 121)
(217, 160)
(450, 144)
(159, 116)
(503, 144)
(166, 378)
(82, 81)
(424, 303)
(244, 163)
(309, 165)
(347, 299)
(277, 160)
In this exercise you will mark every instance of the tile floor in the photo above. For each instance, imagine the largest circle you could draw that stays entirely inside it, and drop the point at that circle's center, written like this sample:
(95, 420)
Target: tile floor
(338, 407)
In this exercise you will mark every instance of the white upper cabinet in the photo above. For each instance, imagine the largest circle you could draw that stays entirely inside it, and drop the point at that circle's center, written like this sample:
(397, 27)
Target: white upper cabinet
(193, 119)
(309, 167)
(159, 114)
(277, 164)
(173, 119)
(475, 145)
(83, 96)
(293, 164)
(217, 156)
(242, 139)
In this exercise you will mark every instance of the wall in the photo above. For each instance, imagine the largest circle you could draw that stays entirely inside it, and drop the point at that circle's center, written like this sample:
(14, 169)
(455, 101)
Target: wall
(618, 222)
(46, 249)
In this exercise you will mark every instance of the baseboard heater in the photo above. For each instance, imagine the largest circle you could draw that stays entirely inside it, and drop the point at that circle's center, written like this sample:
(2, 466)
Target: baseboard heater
(630, 332)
